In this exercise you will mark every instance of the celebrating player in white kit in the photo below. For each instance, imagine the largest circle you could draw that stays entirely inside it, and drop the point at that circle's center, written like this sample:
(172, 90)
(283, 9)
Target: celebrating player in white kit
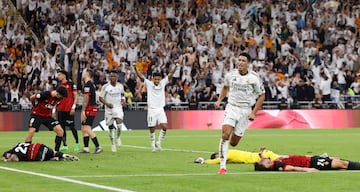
(242, 86)
(112, 96)
(155, 104)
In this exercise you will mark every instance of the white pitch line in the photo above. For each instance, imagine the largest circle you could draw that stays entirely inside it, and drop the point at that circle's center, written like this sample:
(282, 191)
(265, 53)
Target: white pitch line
(66, 179)
(212, 174)
(177, 150)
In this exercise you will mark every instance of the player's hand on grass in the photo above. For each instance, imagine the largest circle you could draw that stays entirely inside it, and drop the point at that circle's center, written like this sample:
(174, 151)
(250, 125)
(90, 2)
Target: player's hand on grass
(199, 160)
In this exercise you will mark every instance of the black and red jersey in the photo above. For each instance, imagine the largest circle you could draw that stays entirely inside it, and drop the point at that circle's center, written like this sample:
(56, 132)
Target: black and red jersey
(66, 103)
(89, 89)
(293, 160)
(31, 152)
(44, 103)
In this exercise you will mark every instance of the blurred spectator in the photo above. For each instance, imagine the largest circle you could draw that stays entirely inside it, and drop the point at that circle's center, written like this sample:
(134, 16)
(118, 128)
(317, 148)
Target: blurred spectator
(25, 103)
(286, 40)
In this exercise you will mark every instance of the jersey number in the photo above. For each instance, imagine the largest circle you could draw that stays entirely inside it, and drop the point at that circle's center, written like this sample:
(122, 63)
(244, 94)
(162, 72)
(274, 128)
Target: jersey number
(22, 148)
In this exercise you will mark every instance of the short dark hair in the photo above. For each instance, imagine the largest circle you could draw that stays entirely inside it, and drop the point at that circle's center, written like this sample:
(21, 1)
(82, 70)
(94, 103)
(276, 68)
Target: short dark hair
(248, 57)
(213, 156)
(90, 72)
(62, 91)
(113, 71)
(64, 72)
(156, 74)
(260, 167)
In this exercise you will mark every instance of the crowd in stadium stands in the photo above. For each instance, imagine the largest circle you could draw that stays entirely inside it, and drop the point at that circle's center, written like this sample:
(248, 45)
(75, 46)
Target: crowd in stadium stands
(303, 50)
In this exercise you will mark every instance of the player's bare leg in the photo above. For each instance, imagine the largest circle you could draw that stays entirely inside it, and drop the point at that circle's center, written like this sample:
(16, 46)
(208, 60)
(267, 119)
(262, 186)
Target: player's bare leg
(234, 140)
(30, 135)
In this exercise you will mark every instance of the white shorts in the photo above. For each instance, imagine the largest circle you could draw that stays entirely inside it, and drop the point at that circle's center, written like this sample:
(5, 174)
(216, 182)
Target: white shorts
(155, 117)
(236, 117)
(111, 114)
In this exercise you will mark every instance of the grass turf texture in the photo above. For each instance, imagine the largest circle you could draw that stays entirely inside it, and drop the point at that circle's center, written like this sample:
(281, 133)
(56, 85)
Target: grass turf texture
(134, 167)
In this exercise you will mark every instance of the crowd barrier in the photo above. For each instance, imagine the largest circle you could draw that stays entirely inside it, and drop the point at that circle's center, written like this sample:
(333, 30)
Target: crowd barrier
(212, 119)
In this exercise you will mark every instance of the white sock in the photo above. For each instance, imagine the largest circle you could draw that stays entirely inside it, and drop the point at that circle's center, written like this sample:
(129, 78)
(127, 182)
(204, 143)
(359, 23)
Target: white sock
(119, 127)
(112, 136)
(223, 151)
(152, 139)
(161, 135)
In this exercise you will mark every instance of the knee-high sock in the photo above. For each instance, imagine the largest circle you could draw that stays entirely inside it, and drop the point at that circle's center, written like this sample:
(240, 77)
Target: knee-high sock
(57, 142)
(223, 151)
(95, 141)
(86, 141)
(119, 127)
(74, 132)
(161, 135)
(152, 139)
(353, 165)
(64, 136)
(112, 134)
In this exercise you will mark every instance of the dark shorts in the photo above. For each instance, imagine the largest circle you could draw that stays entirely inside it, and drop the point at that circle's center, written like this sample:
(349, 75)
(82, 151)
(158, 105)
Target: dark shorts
(36, 121)
(89, 121)
(321, 163)
(45, 153)
(65, 119)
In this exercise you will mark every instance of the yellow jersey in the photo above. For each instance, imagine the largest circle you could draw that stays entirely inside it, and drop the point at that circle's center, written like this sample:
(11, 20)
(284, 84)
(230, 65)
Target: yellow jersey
(238, 156)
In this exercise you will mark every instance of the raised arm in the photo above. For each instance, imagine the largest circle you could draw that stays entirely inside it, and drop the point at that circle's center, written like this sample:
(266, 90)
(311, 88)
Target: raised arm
(172, 71)
(138, 73)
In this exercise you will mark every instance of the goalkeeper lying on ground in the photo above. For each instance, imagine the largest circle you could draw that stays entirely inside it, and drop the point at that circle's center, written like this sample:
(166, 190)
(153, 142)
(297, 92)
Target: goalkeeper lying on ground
(238, 156)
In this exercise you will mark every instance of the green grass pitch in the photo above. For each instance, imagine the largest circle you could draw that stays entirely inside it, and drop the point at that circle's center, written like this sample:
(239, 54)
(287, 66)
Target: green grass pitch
(135, 168)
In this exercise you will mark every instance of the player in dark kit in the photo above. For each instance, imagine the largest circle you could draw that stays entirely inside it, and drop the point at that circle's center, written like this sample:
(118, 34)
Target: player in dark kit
(302, 163)
(35, 152)
(43, 104)
(66, 110)
(88, 112)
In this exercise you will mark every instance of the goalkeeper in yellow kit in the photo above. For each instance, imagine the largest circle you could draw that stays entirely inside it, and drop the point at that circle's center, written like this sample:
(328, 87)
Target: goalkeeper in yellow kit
(240, 157)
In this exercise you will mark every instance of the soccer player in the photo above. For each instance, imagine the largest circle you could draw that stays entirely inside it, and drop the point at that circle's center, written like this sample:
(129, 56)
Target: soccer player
(156, 103)
(112, 96)
(43, 104)
(34, 152)
(88, 112)
(242, 86)
(303, 163)
(238, 156)
(66, 110)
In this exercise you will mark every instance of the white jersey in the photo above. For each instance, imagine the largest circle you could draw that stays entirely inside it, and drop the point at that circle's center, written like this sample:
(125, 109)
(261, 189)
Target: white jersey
(243, 89)
(112, 94)
(156, 94)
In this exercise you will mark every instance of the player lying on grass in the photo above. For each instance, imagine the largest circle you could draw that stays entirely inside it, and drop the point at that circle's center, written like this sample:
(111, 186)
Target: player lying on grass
(304, 163)
(35, 152)
(238, 156)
